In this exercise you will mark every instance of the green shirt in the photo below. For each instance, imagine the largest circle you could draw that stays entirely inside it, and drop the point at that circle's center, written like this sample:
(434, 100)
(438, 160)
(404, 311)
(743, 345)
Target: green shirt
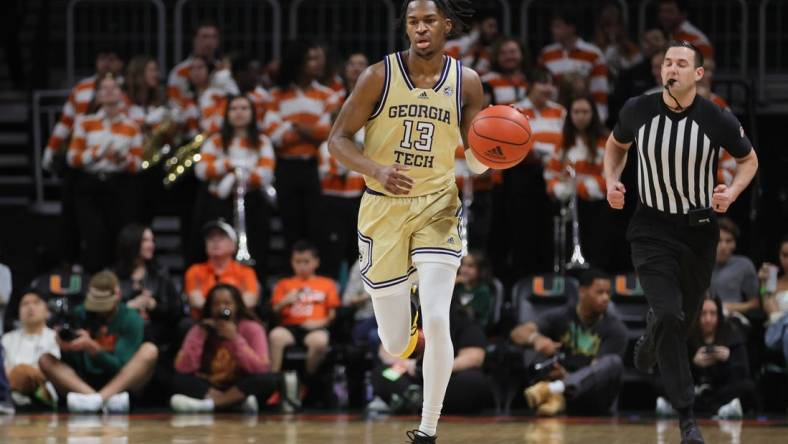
(120, 337)
(477, 301)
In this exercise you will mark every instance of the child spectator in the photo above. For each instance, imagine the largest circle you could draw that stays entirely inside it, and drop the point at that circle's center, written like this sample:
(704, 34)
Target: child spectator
(307, 306)
(472, 291)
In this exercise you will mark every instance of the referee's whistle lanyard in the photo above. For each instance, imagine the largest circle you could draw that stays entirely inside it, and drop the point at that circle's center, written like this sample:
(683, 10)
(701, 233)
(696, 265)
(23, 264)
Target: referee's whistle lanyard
(667, 86)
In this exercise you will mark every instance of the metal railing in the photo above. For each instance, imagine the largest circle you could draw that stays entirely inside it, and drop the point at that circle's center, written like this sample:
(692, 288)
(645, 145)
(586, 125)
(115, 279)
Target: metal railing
(253, 27)
(46, 109)
(724, 22)
(131, 26)
(772, 33)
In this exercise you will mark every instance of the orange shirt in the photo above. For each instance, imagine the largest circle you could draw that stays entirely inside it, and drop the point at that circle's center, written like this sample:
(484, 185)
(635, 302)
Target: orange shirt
(104, 145)
(317, 297)
(546, 124)
(588, 169)
(203, 277)
(504, 89)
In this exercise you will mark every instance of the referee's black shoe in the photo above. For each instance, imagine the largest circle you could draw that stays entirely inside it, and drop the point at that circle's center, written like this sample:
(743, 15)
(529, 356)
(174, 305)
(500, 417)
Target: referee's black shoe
(419, 437)
(690, 432)
(646, 346)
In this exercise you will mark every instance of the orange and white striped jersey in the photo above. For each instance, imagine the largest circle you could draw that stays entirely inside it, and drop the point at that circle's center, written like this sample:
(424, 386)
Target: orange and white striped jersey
(547, 125)
(103, 145)
(502, 89)
(150, 117)
(587, 165)
(585, 59)
(470, 52)
(687, 31)
(338, 87)
(178, 81)
(336, 179)
(310, 107)
(215, 162)
(213, 104)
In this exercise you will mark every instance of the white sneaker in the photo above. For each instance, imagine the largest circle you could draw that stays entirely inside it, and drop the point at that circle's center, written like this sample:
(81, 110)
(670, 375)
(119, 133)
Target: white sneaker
(80, 403)
(730, 410)
(118, 403)
(664, 408)
(378, 405)
(250, 405)
(20, 400)
(185, 404)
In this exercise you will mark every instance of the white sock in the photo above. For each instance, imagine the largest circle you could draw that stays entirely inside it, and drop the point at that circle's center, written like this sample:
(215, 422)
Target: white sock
(392, 311)
(556, 387)
(207, 404)
(436, 284)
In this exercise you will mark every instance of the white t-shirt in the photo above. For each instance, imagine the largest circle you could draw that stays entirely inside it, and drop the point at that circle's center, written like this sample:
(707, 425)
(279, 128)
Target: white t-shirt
(21, 348)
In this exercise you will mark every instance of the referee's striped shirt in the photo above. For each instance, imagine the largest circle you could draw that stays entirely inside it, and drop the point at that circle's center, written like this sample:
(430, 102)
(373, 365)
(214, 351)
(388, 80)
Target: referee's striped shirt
(677, 152)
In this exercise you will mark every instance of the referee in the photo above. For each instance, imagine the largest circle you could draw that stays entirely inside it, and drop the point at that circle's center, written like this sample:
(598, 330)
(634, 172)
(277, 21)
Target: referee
(677, 136)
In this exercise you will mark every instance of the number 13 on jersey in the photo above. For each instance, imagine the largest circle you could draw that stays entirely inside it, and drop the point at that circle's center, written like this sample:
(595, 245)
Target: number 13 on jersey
(424, 132)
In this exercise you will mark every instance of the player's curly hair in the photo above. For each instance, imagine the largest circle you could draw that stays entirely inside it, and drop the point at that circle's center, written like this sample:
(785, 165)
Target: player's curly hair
(460, 12)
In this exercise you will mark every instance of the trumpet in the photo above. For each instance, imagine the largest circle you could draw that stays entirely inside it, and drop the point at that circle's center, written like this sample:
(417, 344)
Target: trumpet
(183, 160)
(568, 214)
(155, 148)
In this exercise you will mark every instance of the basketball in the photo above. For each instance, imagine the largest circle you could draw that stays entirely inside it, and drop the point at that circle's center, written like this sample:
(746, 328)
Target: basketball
(500, 136)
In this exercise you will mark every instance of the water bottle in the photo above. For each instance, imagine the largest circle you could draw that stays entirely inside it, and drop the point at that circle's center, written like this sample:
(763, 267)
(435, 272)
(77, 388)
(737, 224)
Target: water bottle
(340, 386)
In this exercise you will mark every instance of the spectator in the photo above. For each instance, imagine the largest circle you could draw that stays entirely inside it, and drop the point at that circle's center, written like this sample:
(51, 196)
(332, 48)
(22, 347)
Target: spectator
(473, 291)
(200, 76)
(328, 75)
(6, 288)
(656, 73)
(239, 155)
(592, 342)
(146, 287)
(612, 38)
(474, 49)
(571, 54)
(307, 306)
(776, 303)
(356, 64)
(506, 82)
(398, 380)
(224, 359)
(365, 330)
(221, 241)
(545, 116)
(672, 17)
(582, 149)
(298, 121)
(734, 279)
(106, 352)
(205, 44)
(24, 348)
(639, 78)
(146, 94)
(105, 151)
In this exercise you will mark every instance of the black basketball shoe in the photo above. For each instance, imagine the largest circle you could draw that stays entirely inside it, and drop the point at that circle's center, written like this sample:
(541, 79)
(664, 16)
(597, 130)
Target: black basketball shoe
(690, 432)
(646, 347)
(419, 437)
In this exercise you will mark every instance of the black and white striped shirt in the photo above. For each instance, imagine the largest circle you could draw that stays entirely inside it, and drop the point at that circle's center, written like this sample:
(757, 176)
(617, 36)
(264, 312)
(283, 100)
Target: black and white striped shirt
(677, 152)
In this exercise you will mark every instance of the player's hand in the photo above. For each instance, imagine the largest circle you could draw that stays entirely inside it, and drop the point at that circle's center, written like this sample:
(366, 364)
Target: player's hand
(722, 198)
(393, 179)
(546, 346)
(615, 195)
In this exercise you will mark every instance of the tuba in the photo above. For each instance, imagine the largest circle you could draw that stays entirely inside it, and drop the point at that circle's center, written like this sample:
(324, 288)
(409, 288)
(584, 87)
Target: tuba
(239, 206)
(568, 214)
(183, 160)
(156, 148)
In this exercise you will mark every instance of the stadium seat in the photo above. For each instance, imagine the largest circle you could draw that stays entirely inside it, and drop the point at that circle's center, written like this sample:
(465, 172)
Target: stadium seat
(536, 294)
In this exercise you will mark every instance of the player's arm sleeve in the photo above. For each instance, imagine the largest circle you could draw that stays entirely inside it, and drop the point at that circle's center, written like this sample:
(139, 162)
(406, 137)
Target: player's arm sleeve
(732, 136)
(624, 130)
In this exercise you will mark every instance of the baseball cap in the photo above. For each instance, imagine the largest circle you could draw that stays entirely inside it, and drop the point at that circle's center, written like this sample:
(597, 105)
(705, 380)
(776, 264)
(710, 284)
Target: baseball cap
(223, 226)
(101, 295)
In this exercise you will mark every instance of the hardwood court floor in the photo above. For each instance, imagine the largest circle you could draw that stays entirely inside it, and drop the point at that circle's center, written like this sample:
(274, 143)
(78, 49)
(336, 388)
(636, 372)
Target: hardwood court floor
(353, 429)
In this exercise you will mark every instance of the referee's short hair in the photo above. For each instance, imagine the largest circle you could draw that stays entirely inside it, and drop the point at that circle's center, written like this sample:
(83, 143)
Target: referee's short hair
(686, 44)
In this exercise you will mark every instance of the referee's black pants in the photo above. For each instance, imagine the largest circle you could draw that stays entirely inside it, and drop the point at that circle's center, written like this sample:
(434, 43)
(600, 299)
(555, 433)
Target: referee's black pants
(674, 262)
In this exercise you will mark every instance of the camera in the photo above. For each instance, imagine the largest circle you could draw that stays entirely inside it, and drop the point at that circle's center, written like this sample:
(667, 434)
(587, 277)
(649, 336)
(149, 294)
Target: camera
(226, 314)
(61, 318)
(542, 369)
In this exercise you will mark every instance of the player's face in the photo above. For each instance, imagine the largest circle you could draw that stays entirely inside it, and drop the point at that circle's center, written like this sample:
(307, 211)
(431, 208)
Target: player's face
(598, 295)
(152, 74)
(198, 72)
(725, 247)
(32, 309)
(679, 64)
(147, 245)
(304, 263)
(239, 113)
(510, 57)
(206, 41)
(708, 317)
(427, 28)
(581, 114)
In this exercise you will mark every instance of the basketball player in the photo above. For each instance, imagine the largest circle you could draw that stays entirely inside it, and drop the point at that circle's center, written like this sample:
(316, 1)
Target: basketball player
(414, 106)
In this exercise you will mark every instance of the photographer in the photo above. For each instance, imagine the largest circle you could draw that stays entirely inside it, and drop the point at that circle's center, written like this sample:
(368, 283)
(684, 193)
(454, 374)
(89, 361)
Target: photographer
(224, 359)
(102, 350)
(592, 342)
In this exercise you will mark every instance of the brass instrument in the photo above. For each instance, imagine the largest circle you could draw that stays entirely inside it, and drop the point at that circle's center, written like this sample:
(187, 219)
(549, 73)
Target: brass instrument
(242, 255)
(155, 148)
(568, 214)
(185, 157)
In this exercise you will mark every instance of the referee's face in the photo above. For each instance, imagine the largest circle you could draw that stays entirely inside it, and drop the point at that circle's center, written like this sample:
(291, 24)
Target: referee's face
(679, 65)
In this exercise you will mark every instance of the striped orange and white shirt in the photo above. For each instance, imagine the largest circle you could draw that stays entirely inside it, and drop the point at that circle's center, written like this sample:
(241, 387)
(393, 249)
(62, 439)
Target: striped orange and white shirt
(585, 59)
(178, 81)
(103, 145)
(689, 32)
(150, 117)
(503, 89)
(215, 162)
(336, 179)
(472, 54)
(310, 107)
(588, 169)
(546, 125)
(213, 105)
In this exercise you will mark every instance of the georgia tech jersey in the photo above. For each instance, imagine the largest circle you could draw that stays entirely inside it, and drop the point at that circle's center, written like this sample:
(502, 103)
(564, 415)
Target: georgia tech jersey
(417, 127)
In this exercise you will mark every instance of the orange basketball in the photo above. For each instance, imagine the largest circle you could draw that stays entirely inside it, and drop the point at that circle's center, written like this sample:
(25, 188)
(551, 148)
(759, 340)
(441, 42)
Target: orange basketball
(500, 136)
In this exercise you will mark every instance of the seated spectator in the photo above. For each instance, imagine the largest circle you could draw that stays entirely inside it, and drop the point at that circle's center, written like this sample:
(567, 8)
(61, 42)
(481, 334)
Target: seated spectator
(720, 366)
(103, 355)
(775, 303)
(223, 361)
(6, 404)
(398, 381)
(147, 287)
(307, 306)
(365, 330)
(5, 292)
(569, 53)
(639, 78)
(506, 83)
(734, 279)
(148, 98)
(545, 116)
(592, 341)
(672, 17)
(473, 292)
(205, 44)
(221, 267)
(474, 48)
(25, 346)
(612, 38)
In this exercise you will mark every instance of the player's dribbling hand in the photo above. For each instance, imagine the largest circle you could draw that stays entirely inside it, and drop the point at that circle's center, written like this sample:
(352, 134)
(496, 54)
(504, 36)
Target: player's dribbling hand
(722, 198)
(615, 195)
(393, 180)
